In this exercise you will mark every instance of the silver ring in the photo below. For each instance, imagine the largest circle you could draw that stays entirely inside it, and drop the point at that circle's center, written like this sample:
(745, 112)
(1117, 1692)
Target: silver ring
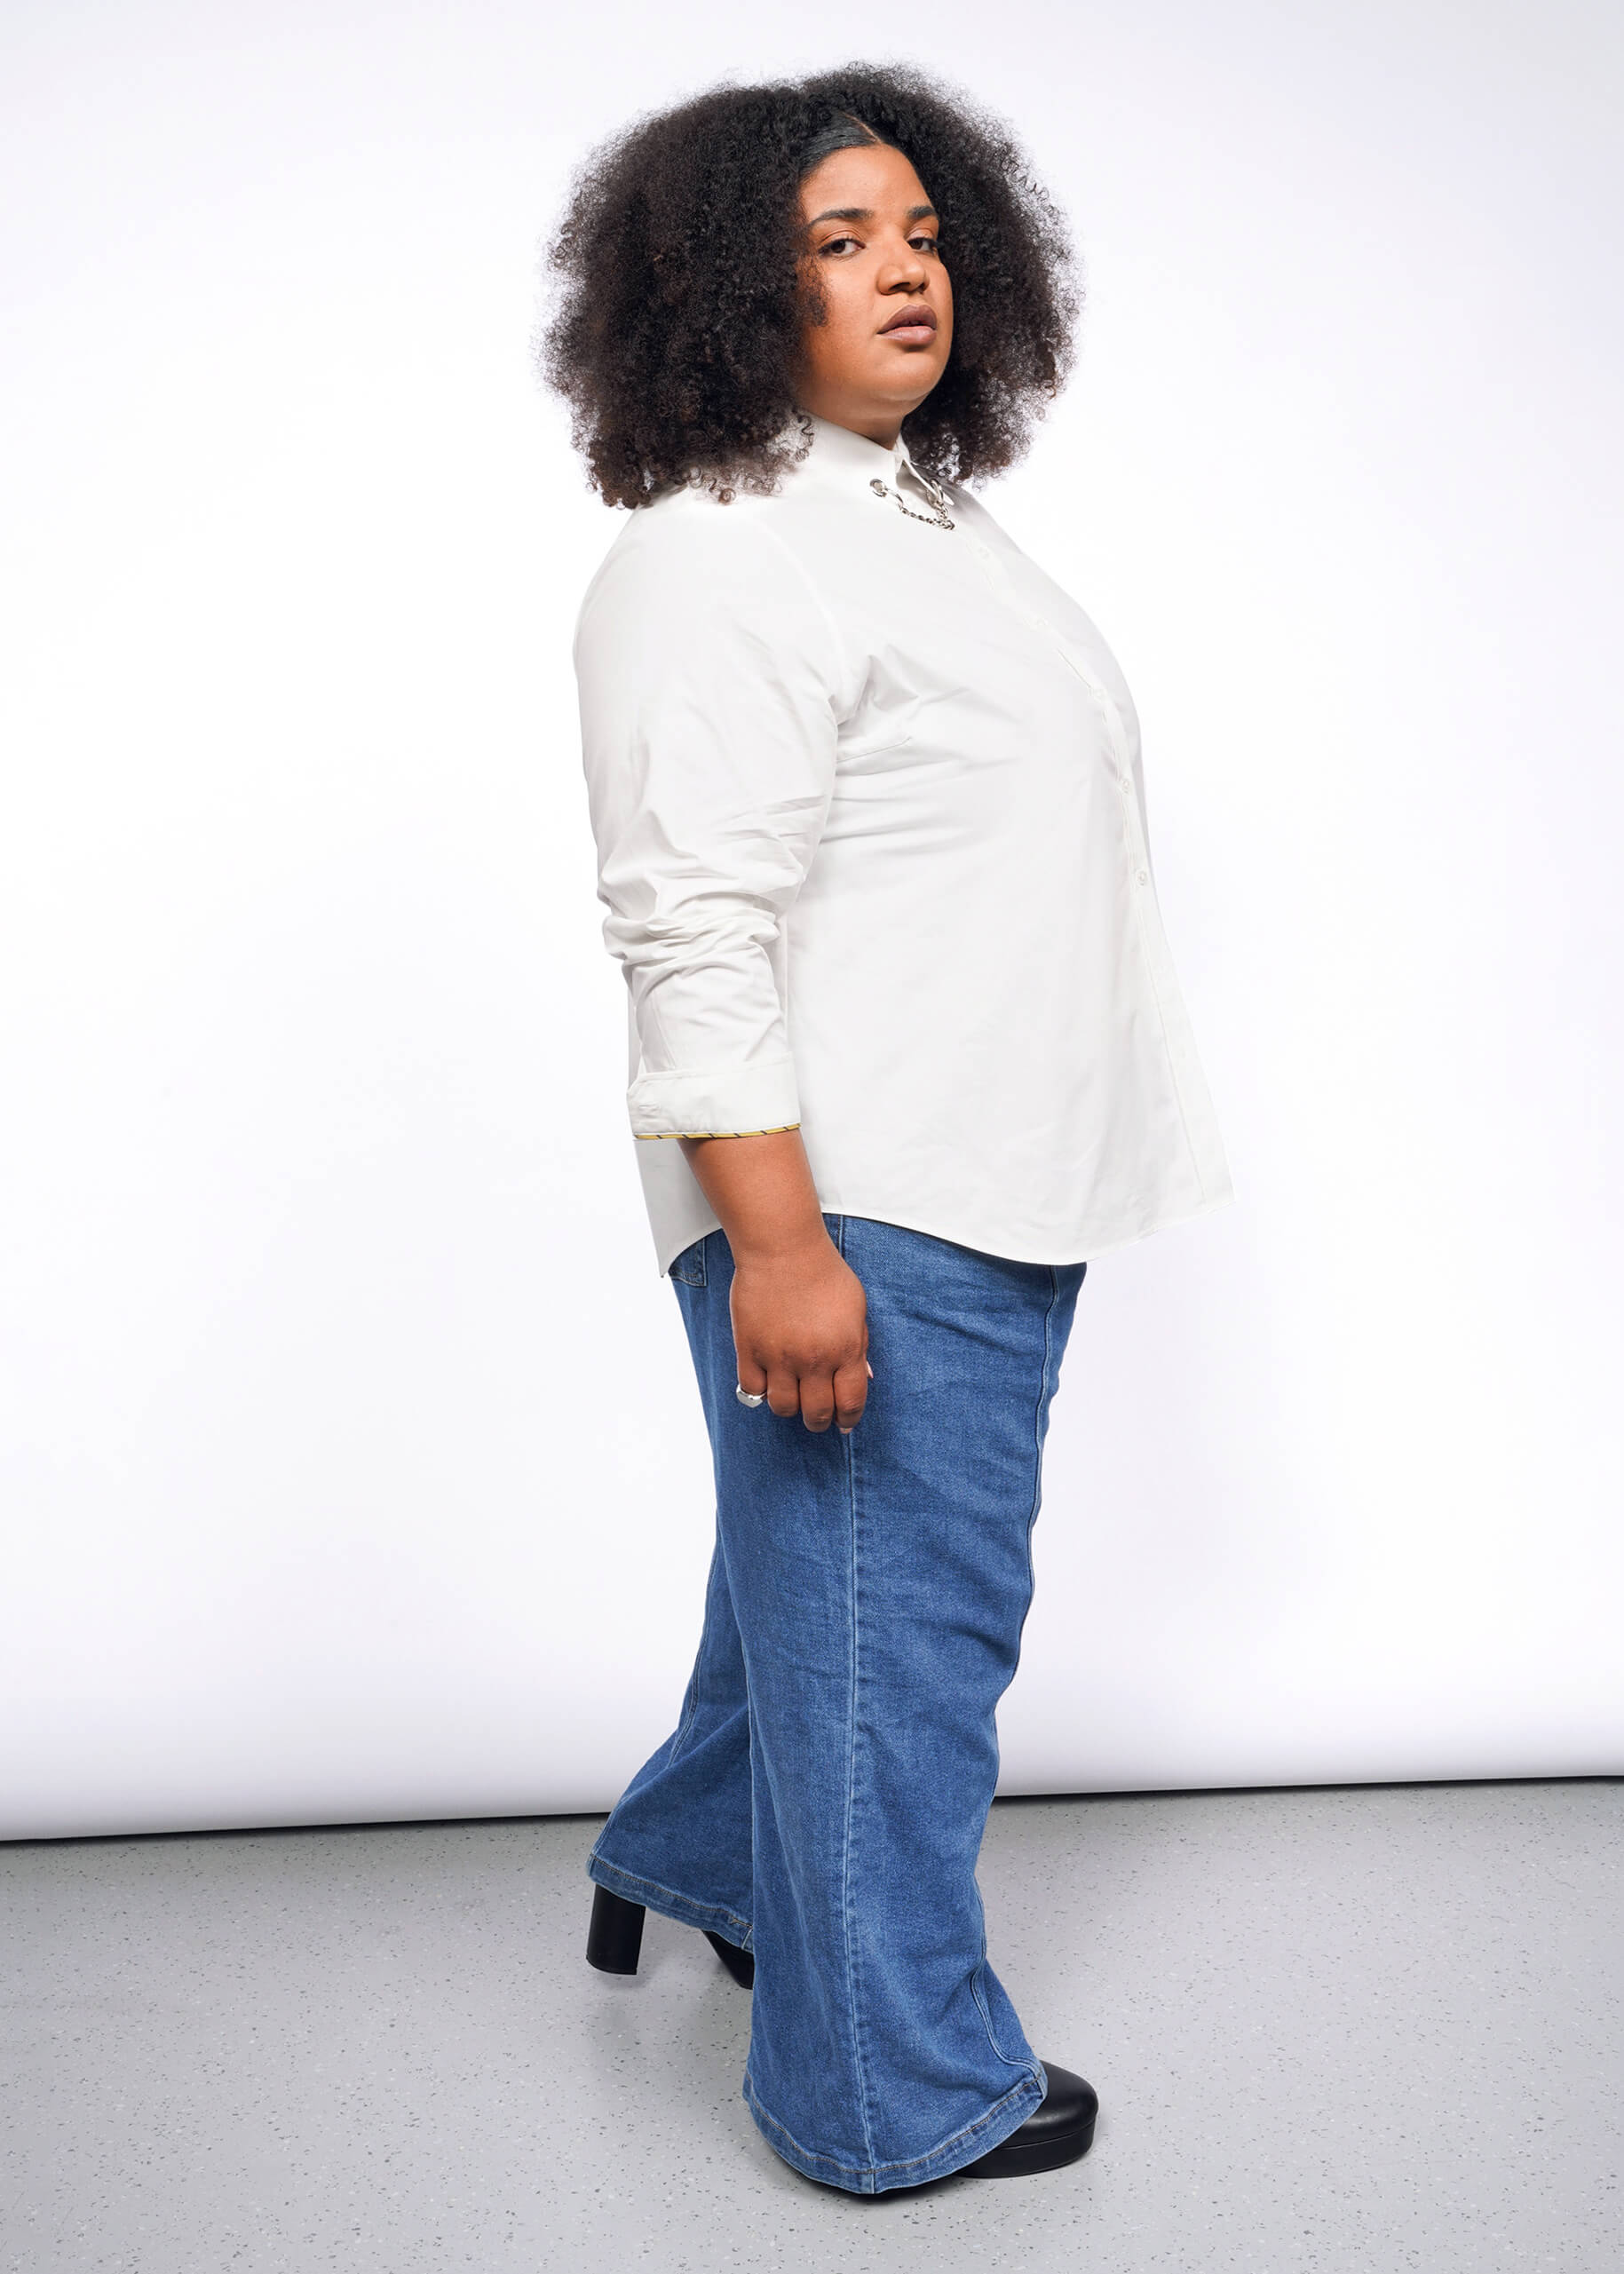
(747, 1397)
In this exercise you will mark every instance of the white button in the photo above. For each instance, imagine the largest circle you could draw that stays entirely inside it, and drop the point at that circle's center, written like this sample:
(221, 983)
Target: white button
(1144, 876)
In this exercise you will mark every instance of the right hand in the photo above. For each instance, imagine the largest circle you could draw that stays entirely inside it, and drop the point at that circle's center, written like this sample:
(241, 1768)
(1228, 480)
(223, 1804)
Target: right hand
(800, 1332)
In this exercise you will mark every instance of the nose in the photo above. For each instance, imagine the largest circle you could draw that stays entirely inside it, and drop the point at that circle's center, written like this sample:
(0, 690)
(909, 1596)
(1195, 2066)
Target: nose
(904, 270)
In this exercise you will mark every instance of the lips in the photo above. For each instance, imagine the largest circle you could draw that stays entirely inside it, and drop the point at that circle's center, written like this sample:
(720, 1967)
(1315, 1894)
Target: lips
(917, 318)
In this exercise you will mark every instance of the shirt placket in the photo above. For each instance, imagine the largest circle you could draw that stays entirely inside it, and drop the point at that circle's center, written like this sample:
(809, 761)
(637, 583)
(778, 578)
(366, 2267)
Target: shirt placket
(1158, 953)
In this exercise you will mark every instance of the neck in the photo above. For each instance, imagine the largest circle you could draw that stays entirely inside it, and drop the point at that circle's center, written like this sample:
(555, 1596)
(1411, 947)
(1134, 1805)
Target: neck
(883, 428)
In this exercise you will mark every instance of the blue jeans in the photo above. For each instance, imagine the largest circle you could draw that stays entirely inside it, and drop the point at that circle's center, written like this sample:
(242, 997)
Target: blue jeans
(822, 1800)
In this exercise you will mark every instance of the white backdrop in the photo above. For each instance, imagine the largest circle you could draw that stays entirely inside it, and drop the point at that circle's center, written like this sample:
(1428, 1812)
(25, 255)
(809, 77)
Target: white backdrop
(351, 1466)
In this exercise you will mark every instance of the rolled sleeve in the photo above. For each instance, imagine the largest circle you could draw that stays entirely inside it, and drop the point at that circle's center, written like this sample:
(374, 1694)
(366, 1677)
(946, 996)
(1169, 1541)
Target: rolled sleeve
(738, 1101)
(710, 727)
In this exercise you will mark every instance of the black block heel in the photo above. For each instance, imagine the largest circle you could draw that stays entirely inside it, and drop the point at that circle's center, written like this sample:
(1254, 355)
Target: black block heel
(739, 1963)
(614, 1938)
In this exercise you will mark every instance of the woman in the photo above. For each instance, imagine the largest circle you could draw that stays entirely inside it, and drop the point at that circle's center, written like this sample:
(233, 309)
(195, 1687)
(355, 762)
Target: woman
(906, 1047)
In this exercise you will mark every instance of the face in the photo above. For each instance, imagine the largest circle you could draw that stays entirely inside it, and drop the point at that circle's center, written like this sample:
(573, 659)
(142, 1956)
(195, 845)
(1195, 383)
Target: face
(870, 253)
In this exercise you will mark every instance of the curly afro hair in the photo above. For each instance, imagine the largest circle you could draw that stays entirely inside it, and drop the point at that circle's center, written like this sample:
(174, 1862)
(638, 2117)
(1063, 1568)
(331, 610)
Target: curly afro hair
(675, 332)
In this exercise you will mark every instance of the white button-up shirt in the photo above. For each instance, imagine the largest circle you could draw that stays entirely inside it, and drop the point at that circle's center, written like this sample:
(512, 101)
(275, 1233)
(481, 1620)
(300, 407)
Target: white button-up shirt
(870, 823)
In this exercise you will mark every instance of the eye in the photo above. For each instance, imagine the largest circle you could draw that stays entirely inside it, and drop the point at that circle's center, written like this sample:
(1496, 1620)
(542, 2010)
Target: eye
(834, 245)
(925, 243)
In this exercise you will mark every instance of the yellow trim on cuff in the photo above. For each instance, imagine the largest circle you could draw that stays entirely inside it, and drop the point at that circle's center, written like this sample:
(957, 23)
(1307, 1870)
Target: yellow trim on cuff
(659, 1137)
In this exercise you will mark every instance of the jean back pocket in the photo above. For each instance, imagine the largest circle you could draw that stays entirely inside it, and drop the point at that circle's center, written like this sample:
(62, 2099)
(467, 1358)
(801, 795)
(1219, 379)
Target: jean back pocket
(690, 1266)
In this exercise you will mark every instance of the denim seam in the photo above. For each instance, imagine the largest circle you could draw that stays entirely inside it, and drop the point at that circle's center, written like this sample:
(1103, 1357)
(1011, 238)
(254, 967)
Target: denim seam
(1026, 2094)
(977, 1989)
(690, 1706)
(859, 2054)
(1037, 1451)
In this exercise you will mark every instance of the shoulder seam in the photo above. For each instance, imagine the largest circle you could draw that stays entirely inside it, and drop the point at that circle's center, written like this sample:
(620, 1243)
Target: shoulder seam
(839, 673)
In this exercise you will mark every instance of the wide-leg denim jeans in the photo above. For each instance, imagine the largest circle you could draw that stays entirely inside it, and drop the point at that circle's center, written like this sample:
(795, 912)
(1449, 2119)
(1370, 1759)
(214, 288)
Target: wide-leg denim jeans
(822, 1800)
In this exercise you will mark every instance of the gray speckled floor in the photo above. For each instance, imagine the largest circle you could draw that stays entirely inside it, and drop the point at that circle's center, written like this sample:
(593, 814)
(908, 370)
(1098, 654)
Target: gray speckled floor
(1363, 2029)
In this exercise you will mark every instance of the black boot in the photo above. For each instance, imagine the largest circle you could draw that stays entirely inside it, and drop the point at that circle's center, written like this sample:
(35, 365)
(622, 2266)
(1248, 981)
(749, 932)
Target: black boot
(1057, 2131)
(614, 1939)
(739, 1963)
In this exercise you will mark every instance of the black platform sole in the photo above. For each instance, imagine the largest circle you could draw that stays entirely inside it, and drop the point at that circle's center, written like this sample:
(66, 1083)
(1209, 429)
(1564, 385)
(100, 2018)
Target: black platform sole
(1060, 2131)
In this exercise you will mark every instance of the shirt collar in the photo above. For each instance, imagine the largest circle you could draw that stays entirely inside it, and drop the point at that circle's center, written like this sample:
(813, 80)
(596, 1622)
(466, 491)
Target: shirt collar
(852, 460)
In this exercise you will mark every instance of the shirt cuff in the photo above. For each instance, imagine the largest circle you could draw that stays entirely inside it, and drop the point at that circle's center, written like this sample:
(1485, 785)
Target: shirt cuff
(736, 1101)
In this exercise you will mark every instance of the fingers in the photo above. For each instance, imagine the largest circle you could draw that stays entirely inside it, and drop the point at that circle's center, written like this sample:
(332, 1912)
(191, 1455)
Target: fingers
(819, 1398)
(800, 1333)
(851, 1387)
(817, 1401)
(783, 1393)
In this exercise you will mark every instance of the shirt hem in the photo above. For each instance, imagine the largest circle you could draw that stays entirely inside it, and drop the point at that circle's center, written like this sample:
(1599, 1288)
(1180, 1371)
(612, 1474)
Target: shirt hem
(909, 1221)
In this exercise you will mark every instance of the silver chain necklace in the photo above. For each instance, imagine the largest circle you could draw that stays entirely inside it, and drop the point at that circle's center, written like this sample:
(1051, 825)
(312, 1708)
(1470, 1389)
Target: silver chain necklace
(940, 519)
